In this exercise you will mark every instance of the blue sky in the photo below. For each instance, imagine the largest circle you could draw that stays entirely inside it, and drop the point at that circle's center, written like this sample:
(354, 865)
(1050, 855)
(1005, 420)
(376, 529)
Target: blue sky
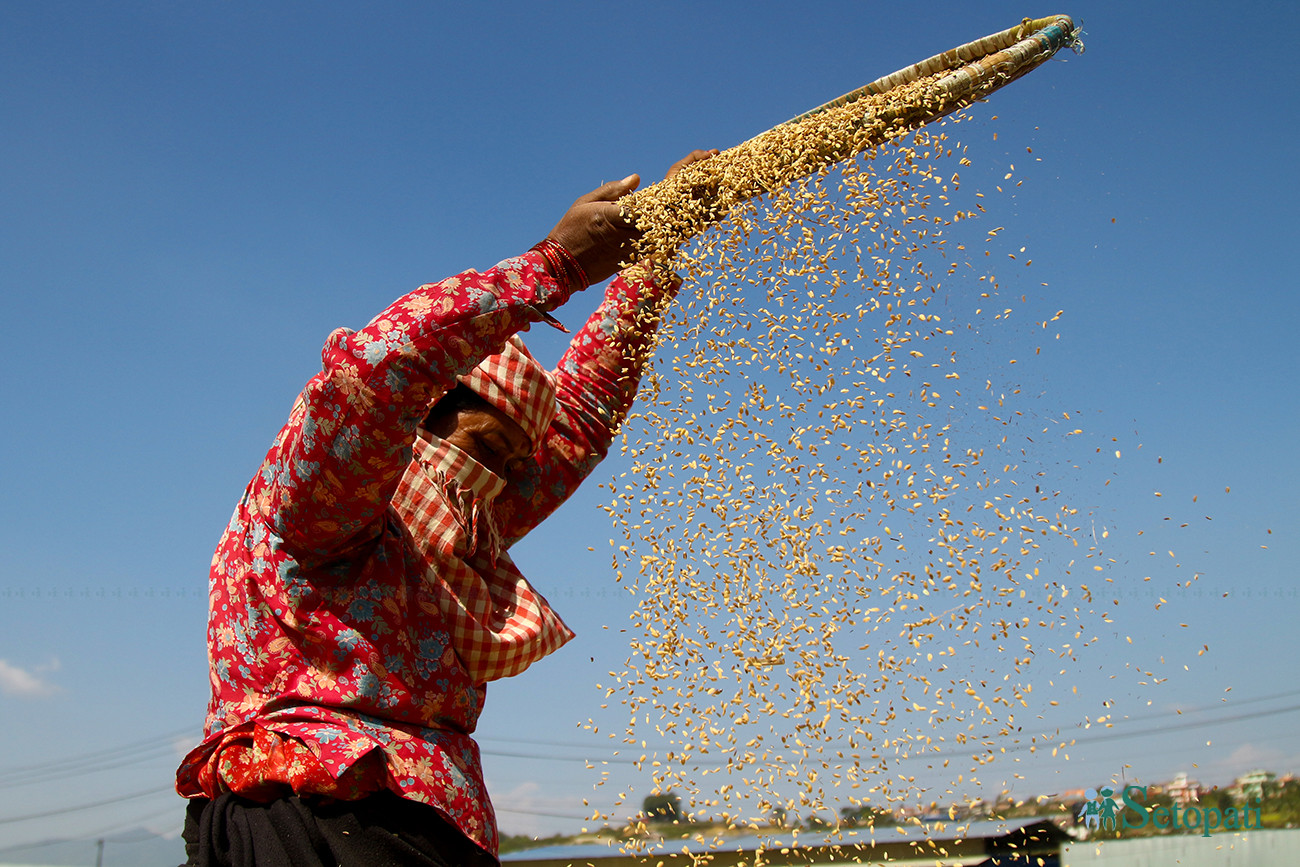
(195, 195)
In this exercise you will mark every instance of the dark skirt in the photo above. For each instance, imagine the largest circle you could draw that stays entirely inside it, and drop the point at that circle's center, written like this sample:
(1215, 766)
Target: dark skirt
(381, 830)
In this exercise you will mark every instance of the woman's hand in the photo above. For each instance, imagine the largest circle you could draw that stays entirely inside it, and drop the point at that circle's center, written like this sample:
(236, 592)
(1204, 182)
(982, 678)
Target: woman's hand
(594, 229)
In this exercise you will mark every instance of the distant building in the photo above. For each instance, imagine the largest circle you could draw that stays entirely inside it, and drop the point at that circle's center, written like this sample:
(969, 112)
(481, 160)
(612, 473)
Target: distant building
(1257, 784)
(1183, 791)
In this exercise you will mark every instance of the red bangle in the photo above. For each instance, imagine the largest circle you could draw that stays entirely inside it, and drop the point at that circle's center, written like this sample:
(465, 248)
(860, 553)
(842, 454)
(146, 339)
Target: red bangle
(562, 265)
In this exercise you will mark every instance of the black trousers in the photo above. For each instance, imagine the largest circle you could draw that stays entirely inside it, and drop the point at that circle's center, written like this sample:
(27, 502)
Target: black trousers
(381, 830)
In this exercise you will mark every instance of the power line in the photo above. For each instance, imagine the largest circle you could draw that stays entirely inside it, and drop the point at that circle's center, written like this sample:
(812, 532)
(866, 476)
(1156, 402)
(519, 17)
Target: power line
(115, 800)
(1183, 750)
(92, 836)
(608, 760)
(1067, 742)
(613, 760)
(142, 750)
(932, 755)
(1255, 700)
(536, 742)
(82, 760)
(501, 809)
(117, 827)
(1188, 725)
(31, 777)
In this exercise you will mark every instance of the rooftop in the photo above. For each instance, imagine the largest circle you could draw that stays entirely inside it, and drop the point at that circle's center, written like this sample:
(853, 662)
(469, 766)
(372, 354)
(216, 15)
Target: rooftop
(957, 842)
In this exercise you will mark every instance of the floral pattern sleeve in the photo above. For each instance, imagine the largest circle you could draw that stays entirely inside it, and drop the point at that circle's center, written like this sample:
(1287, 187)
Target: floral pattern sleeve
(328, 478)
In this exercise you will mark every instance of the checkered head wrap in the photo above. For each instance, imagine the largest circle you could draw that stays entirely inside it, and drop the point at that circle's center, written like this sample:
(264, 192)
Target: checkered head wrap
(514, 382)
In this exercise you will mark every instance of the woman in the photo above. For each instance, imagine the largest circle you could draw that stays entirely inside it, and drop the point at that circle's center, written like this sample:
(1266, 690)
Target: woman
(363, 595)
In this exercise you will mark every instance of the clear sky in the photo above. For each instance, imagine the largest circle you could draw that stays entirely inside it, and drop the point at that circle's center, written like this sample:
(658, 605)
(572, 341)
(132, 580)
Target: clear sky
(194, 195)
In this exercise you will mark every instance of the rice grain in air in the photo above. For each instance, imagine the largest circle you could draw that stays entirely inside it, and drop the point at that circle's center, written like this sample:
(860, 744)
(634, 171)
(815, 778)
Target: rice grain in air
(847, 547)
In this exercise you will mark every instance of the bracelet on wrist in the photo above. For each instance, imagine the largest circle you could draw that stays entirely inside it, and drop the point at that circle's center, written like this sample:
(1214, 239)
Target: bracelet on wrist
(563, 265)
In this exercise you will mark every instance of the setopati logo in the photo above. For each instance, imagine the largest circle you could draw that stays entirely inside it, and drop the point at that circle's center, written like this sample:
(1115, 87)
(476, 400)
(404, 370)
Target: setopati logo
(1100, 810)
(1207, 820)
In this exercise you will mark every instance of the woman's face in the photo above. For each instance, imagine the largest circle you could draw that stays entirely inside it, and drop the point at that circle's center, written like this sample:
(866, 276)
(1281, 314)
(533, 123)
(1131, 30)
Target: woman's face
(483, 432)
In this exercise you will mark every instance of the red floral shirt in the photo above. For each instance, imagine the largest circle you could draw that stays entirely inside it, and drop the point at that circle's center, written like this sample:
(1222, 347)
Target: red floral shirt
(351, 628)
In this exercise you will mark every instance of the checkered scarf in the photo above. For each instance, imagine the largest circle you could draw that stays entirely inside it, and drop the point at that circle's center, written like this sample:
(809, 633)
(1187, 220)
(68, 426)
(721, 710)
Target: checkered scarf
(513, 382)
(468, 489)
(499, 624)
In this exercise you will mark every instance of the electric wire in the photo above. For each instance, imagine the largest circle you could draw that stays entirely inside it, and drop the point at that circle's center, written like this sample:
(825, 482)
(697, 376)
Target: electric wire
(101, 832)
(1076, 741)
(1210, 708)
(77, 807)
(89, 761)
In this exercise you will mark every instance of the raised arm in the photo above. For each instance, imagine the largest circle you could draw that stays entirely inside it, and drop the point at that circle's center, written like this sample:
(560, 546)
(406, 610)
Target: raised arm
(333, 468)
(596, 383)
(327, 479)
